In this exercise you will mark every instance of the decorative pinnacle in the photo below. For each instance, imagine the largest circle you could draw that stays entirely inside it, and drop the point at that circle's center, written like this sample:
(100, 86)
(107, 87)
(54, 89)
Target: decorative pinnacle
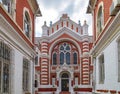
(44, 22)
(85, 22)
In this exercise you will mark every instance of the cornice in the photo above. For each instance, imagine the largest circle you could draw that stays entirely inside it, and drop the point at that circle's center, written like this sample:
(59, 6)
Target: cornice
(7, 31)
(68, 31)
(108, 36)
(34, 7)
(91, 6)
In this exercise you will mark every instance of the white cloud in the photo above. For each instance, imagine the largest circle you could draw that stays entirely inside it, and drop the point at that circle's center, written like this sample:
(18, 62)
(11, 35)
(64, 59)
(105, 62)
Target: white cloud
(52, 10)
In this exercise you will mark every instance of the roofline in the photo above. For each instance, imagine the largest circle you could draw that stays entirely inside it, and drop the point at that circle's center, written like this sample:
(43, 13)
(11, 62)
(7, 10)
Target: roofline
(38, 11)
(91, 5)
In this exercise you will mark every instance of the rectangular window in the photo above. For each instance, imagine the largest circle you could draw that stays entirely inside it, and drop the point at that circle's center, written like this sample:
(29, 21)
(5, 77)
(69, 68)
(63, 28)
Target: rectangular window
(76, 81)
(4, 68)
(36, 84)
(36, 60)
(101, 69)
(53, 81)
(25, 75)
(118, 61)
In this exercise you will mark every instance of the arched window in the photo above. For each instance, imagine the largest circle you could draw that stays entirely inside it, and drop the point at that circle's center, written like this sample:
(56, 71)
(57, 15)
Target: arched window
(67, 47)
(64, 52)
(27, 26)
(61, 58)
(65, 75)
(61, 48)
(75, 58)
(54, 59)
(100, 20)
(68, 58)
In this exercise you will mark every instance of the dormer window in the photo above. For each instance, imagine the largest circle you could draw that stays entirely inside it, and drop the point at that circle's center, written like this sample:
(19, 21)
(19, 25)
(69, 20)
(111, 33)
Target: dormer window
(27, 26)
(100, 20)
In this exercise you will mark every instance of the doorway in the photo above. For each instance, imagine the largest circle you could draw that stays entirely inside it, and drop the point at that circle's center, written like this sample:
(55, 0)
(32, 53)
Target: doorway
(65, 82)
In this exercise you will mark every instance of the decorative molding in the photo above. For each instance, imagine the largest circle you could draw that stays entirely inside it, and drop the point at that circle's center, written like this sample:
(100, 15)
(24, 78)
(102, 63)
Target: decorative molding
(107, 36)
(16, 40)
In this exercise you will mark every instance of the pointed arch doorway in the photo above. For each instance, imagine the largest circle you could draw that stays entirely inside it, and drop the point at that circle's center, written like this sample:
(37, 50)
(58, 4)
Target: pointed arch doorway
(65, 82)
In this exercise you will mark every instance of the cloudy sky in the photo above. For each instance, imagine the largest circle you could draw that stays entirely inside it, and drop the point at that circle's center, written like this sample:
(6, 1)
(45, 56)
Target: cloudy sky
(52, 10)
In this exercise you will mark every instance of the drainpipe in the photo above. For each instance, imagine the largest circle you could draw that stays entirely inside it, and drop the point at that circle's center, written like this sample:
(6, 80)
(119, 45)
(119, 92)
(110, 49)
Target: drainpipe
(33, 78)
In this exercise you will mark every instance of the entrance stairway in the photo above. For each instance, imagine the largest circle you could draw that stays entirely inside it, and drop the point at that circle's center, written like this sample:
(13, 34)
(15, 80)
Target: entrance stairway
(65, 92)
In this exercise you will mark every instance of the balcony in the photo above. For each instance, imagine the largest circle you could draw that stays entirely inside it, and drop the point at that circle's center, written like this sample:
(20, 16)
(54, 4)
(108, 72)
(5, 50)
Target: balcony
(115, 7)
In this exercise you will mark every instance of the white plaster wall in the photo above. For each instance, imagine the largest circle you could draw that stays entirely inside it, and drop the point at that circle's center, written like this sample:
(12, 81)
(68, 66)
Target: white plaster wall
(18, 59)
(18, 73)
(31, 78)
(111, 68)
(45, 93)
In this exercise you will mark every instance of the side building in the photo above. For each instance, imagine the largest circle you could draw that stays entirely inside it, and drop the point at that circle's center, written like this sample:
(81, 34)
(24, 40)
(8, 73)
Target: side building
(65, 65)
(17, 29)
(106, 45)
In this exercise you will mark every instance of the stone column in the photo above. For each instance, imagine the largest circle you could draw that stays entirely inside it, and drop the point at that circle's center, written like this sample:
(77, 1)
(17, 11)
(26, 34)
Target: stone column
(44, 64)
(85, 62)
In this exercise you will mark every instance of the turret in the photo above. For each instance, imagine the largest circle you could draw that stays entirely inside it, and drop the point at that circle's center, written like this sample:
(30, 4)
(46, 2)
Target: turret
(85, 28)
(44, 29)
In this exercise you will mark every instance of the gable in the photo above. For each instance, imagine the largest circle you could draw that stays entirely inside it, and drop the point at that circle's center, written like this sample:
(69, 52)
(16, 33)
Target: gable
(65, 33)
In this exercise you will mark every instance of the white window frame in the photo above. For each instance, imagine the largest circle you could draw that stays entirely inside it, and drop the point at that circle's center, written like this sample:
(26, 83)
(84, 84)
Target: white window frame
(77, 57)
(101, 69)
(37, 57)
(102, 24)
(118, 47)
(4, 61)
(26, 75)
(26, 10)
(53, 81)
(76, 81)
(65, 51)
(52, 58)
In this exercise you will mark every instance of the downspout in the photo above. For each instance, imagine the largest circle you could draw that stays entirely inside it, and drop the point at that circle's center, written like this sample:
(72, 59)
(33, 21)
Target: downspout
(33, 77)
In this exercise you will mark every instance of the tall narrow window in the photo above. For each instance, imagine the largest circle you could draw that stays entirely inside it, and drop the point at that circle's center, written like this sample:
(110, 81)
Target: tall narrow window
(75, 58)
(4, 68)
(27, 26)
(100, 20)
(61, 58)
(25, 74)
(54, 59)
(76, 81)
(101, 69)
(64, 52)
(6, 78)
(119, 61)
(36, 60)
(53, 81)
(36, 83)
(68, 58)
(57, 27)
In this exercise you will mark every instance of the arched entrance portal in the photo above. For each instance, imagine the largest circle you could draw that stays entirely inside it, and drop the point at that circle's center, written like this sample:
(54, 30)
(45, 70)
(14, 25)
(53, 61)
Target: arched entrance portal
(65, 82)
